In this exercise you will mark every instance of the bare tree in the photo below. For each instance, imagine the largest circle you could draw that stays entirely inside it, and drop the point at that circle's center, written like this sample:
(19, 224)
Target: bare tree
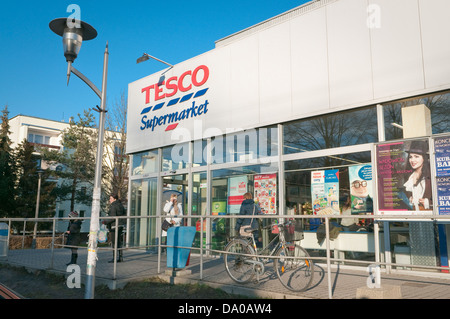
(115, 174)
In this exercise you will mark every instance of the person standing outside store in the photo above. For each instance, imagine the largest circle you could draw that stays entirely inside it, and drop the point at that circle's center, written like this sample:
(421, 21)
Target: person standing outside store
(116, 209)
(249, 207)
(73, 236)
(174, 210)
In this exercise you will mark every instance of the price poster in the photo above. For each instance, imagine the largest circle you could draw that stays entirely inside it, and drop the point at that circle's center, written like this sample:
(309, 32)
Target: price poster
(266, 192)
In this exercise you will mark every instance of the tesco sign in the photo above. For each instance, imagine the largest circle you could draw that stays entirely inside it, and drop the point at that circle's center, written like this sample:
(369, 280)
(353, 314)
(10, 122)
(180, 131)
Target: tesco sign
(158, 93)
(174, 84)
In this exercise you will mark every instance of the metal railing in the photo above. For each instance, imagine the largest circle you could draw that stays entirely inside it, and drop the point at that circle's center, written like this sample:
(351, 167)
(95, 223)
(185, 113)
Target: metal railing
(208, 251)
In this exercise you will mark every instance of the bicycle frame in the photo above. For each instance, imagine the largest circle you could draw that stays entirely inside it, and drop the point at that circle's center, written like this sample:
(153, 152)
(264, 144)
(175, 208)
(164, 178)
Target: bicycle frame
(278, 241)
(250, 260)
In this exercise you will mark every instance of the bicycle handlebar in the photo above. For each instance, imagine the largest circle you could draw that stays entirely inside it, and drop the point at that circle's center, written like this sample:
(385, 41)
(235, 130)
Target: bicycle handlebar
(277, 224)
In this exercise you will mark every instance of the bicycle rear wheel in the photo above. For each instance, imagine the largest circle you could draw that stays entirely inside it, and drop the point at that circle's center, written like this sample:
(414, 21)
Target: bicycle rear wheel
(297, 272)
(237, 266)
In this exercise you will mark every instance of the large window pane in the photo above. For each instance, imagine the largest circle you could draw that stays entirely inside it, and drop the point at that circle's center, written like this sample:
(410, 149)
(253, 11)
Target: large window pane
(199, 193)
(175, 157)
(246, 146)
(145, 163)
(200, 153)
(143, 203)
(438, 105)
(331, 130)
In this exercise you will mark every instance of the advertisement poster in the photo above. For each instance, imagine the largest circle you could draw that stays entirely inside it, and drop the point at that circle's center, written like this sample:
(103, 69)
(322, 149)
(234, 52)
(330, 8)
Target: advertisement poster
(443, 190)
(442, 160)
(219, 208)
(266, 192)
(361, 192)
(404, 179)
(442, 155)
(237, 187)
(325, 192)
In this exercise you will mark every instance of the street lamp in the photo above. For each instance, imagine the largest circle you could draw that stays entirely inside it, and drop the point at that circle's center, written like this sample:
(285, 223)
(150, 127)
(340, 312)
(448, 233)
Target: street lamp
(146, 57)
(73, 33)
(36, 213)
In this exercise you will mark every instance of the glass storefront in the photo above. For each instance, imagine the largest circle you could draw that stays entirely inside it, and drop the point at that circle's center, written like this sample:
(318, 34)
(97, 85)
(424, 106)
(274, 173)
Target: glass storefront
(227, 190)
(334, 185)
(311, 167)
(143, 199)
(199, 206)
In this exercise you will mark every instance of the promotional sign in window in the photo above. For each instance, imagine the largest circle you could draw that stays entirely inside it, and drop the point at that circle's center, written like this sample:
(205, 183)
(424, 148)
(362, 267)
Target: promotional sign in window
(442, 160)
(237, 187)
(404, 179)
(266, 192)
(325, 192)
(361, 193)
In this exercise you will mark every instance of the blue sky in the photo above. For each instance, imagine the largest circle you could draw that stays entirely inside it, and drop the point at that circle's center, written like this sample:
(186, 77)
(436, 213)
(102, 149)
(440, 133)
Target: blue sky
(33, 67)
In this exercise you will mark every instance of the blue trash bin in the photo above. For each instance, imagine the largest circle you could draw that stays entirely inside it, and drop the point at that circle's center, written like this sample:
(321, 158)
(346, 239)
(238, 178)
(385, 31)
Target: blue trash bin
(4, 240)
(183, 237)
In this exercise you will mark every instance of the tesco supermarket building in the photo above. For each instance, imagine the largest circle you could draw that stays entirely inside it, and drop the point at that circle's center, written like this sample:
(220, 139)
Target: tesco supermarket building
(323, 110)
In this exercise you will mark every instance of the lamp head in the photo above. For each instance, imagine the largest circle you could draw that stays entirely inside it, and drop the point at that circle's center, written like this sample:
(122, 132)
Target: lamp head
(73, 33)
(143, 58)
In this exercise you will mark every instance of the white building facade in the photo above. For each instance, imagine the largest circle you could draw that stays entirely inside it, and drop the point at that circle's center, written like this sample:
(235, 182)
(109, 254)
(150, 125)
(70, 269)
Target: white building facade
(47, 133)
(300, 110)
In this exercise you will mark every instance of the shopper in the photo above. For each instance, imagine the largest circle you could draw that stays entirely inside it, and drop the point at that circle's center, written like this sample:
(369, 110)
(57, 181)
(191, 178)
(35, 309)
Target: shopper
(116, 209)
(348, 224)
(73, 236)
(174, 210)
(248, 207)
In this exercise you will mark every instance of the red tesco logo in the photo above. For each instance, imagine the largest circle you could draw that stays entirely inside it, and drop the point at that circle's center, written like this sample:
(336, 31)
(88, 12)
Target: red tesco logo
(174, 84)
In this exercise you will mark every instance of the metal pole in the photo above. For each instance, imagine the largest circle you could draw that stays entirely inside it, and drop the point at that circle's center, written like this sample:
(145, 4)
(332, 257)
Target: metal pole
(36, 213)
(201, 246)
(116, 237)
(95, 214)
(23, 233)
(327, 232)
(53, 243)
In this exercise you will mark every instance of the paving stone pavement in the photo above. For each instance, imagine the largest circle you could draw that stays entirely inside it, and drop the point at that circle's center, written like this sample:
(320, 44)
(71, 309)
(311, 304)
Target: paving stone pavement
(138, 265)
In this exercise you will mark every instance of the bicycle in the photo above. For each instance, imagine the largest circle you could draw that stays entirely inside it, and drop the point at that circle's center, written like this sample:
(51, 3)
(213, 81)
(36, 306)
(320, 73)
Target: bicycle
(292, 262)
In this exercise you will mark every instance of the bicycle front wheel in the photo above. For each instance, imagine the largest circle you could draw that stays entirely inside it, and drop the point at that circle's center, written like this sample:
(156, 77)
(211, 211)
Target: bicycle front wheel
(239, 267)
(296, 273)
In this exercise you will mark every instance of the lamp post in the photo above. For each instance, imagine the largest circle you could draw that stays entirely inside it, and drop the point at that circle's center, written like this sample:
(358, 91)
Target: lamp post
(73, 34)
(36, 213)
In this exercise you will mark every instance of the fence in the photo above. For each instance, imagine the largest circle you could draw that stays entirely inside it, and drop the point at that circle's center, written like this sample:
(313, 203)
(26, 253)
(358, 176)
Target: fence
(204, 250)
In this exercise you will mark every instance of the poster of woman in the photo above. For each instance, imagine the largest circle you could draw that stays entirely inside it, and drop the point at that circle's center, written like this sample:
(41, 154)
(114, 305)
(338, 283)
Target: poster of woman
(418, 185)
(404, 178)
